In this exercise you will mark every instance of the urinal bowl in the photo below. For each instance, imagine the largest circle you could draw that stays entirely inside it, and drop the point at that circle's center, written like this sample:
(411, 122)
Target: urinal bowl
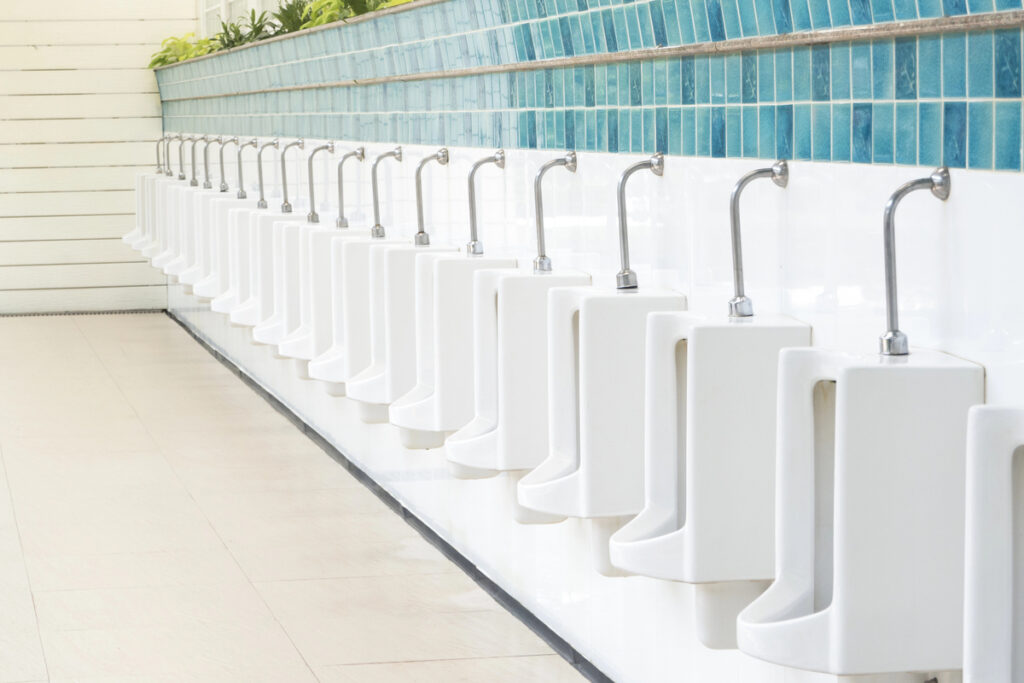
(994, 599)
(870, 514)
(178, 220)
(144, 191)
(509, 427)
(272, 275)
(195, 226)
(234, 251)
(166, 210)
(594, 467)
(445, 404)
(709, 461)
(329, 365)
(256, 306)
(155, 214)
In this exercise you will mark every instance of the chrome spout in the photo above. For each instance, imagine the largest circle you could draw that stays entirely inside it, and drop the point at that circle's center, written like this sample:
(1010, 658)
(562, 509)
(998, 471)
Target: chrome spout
(276, 144)
(542, 264)
(194, 182)
(475, 247)
(421, 238)
(313, 216)
(286, 206)
(207, 185)
(359, 153)
(894, 342)
(223, 180)
(181, 155)
(167, 155)
(740, 306)
(159, 162)
(377, 232)
(626, 278)
(241, 183)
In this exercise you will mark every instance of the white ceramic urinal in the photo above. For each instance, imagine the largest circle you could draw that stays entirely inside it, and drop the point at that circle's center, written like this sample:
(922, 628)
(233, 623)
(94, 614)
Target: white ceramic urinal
(157, 206)
(443, 402)
(390, 310)
(709, 451)
(870, 504)
(594, 465)
(994, 599)
(185, 232)
(145, 184)
(509, 427)
(233, 250)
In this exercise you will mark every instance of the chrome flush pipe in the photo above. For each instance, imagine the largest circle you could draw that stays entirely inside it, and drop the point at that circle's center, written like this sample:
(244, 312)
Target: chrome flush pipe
(626, 278)
(286, 206)
(194, 182)
(377, 232)
(224, 181)
(359, 153)
(207, 185)
(241, 184)
(542, 264)
(475, 247)
(422, 239)
(275, 143)
(894, 342)
(313, 216)
(159, 162)
(181, 156)
(740, 305)
(167, 155)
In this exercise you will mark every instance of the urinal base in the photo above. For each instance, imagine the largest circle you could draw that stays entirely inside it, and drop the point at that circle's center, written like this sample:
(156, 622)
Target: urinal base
(599, 531)
(373, 413)
(716, 606)
(524, 515)
(420, 439)
(302, 368)
(460, 471)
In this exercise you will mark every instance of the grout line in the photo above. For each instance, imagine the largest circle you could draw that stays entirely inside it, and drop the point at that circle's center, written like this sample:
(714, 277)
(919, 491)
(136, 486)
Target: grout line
(557, 643)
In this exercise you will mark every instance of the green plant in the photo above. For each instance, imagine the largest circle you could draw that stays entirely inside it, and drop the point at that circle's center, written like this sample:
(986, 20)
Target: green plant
(175, 49)
(320, 12)
(289, 16)
(231, 35)
(258, 26)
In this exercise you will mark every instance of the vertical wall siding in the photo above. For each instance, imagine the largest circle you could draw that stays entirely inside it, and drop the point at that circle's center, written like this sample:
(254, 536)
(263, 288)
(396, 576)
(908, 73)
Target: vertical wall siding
(78, 112)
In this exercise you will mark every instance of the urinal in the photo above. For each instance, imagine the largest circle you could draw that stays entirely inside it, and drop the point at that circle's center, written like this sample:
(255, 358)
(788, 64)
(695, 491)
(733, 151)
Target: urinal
(173, 241)
(593, 468)
(870, 503)
(164, 249)
(509, 427)
(155, 205)
(391, 371)
(709, 450)
(443, 402)
(994, 599)
(234, 248)
(209, 271)
(196, 236)
(144, 184)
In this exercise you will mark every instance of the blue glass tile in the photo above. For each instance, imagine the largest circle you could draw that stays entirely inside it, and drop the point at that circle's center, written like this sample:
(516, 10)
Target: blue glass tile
(1007, 63)
(613, 130)
(750, 131)
(954, 65)
(765, 18)
(748, 18)
(882, 69)
(784, 132)
(718, 132)
(928, 9)
(906, 133)
(658, 24)
(802, 131)
(840, 73)
(689, 131)
(685, 14)
(733, 79)
(700, 21)
(881, 10)
(643, 13)
(905, 9)
(821, 143)
(716, 68)
(749, 81)
(635, 86)
(860, 70)
(1008, 137)
(1008, 4)
(650, 132)
(647, 81)
(675, 81)
(609, 31)
(731, 16)
(625, 84)
(611, 78)
(687, 80)
(861, 134)
(954, 134)
(820, 13)
(570, 131)
(589, 97)
(783, 75)
(906, 69)
(636, 38)
(929, 70)
(979, 64)
(636, 131)
(801, 74)
(801, 15)
(979, 134)
(766, 131)
(592, 125)
(660, 82)
(783, 17)
(765, 76)
(675, 129)
(821, 87)
(840, 132)
(703, 147)
(716, 23)
(976, 6)
(733, 132)
(860, 12)
(671, 22)
(929, 148)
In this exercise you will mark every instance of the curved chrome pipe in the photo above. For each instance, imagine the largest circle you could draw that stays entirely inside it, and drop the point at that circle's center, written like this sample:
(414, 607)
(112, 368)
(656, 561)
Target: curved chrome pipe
(286, 206)
(359, 153)
(207, 184)
(313, 216)
(167, 155)
(181, 156)
(421, 238)
(241, 184)
(626, 278)
(740, 305)
(159, 163)
(475, 247)
(542, 264)
(377, 232)
(223, 180)
(276, 144)
(194, 182)
(894, 342)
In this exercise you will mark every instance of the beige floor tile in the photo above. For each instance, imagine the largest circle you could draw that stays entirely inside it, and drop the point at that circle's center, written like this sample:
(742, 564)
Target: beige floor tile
(534, 669)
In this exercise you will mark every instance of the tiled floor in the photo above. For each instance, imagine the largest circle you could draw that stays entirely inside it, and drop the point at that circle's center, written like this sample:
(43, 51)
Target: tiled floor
(160, 522)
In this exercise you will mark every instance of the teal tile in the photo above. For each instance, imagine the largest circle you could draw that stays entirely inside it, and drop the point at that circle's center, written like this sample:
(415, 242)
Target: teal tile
(822, 132)
(1008, 136)
(979, 135)
(841, 132)
(906, 133)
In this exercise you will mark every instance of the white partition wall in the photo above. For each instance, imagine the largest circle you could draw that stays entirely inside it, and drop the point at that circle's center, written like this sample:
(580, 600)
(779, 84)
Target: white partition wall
(79, 113)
